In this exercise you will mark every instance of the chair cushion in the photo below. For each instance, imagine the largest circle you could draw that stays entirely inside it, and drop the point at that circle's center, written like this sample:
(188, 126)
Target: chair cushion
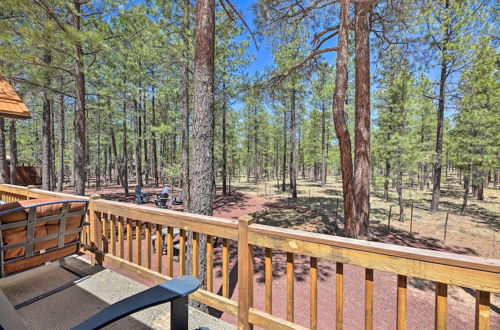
(18, 234)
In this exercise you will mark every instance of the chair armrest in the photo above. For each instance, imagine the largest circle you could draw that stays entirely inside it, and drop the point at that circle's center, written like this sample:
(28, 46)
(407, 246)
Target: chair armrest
(175, 291)
(9, 319)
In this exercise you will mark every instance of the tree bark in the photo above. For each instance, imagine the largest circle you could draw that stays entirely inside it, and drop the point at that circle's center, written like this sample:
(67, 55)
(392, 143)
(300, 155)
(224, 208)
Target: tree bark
(323, 144)
(256, 162)
(466, 192)
(137, 149)
(46, 135)
(283, 183)
(224, 146)
(62, 142)
(293, 148)
(98, 159)
(125, 154)
(186, 183)
(153, 137)
(3, 155)
(13, 151)
(202, 166)
(436, 178)
(387, 178)
(79, 121)
(340, 124)
(362, 118)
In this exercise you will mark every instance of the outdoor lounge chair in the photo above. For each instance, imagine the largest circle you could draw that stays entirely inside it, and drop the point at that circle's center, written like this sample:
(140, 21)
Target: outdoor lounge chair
(178, 199)
(175, 291)
(164, 232)
(33, 232)
(162, 198)
(140, 198)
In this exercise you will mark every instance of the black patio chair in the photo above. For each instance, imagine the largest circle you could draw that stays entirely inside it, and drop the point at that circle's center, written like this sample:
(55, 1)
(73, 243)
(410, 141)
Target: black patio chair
(140, 198)
(162, 198)
(178, 200)
(175, 291)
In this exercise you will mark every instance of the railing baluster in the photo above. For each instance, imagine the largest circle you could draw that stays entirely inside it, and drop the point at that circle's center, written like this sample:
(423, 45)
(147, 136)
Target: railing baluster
(138, 242)
(225, 268)
(289, 286)
(170, 251)
(339, 295)
(129, 240)
(121, 243)
(159, 247)
(148, 245)
(105, 241)
(368, 299)
(401, 301)
(441, 306)
(195, 254)
(269, 280)
(210, 263)
(482, 310)
(112, 229)
(313, 309)
(182, 252)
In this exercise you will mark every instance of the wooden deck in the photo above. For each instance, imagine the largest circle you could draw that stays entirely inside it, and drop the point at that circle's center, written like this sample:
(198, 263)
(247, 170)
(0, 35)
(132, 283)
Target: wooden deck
(119, 229)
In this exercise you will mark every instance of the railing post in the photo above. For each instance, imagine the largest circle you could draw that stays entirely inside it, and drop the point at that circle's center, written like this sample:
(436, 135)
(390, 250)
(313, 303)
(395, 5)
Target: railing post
(28, 191)
(245, 273)
(95, 231)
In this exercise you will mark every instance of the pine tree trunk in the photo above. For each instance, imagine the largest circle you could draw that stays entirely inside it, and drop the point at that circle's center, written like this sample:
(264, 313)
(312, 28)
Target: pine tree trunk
(362, 118)
(466, 192)
(340, 124)
(125, 153)
(62, 142)
(46, 143)
(399, 189)
(137, 150)
(79, 120)
(153, 137)
(256, 161)
(323, 145)
(52, 151)
(98, 160)
(387, 178)
(480, 189)
(436, 178)
(13, 151)
(186, 183)
(283, 183)
(293, 148)
(203, 178)
(224, 146)
(145, 138)
(3, 155)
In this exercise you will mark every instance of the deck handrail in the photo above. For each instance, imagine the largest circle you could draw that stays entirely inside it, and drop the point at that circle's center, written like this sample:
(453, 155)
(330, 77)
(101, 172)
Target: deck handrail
(110, 217)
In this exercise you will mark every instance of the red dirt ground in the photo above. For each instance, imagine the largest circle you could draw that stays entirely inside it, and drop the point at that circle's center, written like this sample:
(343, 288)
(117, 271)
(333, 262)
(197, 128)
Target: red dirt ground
(420, 300)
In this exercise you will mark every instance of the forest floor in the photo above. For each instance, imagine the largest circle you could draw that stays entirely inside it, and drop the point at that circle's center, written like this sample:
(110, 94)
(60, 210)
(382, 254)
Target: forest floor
(316, 210)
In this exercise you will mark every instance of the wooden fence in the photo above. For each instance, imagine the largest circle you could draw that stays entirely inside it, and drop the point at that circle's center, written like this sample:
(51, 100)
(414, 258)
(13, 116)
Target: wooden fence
(114, 224)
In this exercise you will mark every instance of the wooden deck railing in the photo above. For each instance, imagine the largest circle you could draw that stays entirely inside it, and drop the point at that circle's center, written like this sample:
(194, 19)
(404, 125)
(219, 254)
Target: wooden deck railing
(120, 235)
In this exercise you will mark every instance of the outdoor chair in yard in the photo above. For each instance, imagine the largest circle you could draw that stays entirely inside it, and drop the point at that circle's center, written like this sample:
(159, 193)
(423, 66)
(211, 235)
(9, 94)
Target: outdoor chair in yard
(178, 199)
(140, 198)
(162, 198)
(164, 232)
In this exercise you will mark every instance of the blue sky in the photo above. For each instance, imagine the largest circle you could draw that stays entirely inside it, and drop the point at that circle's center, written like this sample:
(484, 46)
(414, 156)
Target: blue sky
(263, 55)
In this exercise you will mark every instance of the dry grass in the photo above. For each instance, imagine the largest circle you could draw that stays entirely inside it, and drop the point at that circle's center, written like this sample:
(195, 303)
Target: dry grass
(315, 210)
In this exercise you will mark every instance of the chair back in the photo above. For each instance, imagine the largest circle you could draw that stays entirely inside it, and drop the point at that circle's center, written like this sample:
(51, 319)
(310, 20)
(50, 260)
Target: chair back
(36, 231)
(138, 191)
